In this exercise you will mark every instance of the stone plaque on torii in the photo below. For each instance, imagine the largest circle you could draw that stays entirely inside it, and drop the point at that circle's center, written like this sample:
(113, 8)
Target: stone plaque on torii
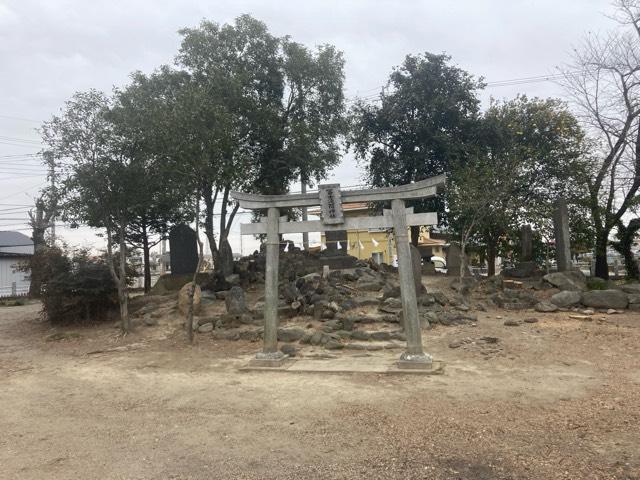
(330, 198)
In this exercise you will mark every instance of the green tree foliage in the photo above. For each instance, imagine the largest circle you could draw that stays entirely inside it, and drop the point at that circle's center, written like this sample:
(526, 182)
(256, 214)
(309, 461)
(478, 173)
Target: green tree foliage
(479, 197)
(626, 235)
(425, 121)
(536, 146)
(140, 119)
(265, 110)
(101, 181)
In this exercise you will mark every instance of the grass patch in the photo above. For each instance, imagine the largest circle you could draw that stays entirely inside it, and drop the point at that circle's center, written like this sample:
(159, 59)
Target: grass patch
(595, 283)
(13, 302)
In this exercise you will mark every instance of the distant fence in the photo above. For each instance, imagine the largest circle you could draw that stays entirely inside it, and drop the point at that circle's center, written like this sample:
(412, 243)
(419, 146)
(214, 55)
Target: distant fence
(14, 290)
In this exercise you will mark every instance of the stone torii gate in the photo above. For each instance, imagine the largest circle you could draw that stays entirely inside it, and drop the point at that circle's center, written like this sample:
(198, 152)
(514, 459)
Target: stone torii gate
(330, 199)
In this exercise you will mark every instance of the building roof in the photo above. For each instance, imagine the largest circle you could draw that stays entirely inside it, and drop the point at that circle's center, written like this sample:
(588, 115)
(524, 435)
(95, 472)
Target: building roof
(431, 242)
(14, 244)
(14, 239)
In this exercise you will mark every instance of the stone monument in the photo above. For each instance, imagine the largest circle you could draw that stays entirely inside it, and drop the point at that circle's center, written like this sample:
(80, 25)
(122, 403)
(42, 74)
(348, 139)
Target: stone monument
(183, 250)
(561, 232)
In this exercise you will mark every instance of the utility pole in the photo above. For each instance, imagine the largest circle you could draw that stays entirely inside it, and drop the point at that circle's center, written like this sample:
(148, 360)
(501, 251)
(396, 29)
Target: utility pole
(305, 217)
(48, 156)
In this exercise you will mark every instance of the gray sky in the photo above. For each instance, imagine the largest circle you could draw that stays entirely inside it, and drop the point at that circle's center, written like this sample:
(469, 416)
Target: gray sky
(51, 48)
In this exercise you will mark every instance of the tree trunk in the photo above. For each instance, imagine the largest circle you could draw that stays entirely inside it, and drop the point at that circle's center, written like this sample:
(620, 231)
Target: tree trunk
(36, 263)
(602, 267)
(415, 235)
(147, 266)
(464, 262)
(224, 258)
(123, 292)
(624, 244)
(209, 203)
(491, 259)
(192, 290)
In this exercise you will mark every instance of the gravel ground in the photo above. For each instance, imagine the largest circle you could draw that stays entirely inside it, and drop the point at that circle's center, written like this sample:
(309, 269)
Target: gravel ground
(556, 399)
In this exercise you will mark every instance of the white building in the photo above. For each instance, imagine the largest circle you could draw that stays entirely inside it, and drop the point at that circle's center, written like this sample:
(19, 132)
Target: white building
(15, 248)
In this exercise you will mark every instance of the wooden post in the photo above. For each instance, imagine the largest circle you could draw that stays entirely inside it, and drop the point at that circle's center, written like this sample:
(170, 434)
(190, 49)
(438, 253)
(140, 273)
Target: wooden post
(270, 356)
(414, 357)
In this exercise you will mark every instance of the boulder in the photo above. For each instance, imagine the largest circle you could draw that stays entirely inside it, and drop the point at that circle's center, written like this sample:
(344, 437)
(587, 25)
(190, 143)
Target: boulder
(333, 326)
(390, 290)
(365, 301)
(235, 301)
(457, 318)
(523, 270)
(545, 307)
(333, 345)
(378, 336)
(426, 300)
(206, 327)
(634, 298)
(290, 334)
(440, 298)
(605, 299)
(570, 280)
(289, 350)
(391, 305)
(369, 284)
(566, 298)
(631, 288)
(183, 299)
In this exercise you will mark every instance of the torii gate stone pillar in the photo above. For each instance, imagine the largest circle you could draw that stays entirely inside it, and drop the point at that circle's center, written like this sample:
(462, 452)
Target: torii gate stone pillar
(330, 198)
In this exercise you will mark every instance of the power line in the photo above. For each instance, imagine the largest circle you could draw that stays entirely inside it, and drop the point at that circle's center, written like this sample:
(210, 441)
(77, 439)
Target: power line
(13, 210)
(11, 117)
(20, 155)
(21, 140)
(37, 185)
(496, 83)
(20, 175)
(2, 142)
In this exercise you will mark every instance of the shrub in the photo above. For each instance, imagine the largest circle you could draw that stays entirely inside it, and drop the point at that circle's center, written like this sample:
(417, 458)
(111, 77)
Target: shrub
(76, 287)
(13, 302)
(596, 283)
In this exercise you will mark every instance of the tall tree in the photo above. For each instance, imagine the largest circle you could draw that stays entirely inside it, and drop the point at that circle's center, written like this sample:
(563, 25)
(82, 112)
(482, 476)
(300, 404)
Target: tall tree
(626, 235)
(142, 120)
(265, 111)
(41, 220)
(99, 186)
(424, 122)
(604, 81)
(479, 198)
(540, 143)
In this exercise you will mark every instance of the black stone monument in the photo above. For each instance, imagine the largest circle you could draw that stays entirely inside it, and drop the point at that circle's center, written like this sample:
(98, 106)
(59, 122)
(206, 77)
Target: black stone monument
(183, 249)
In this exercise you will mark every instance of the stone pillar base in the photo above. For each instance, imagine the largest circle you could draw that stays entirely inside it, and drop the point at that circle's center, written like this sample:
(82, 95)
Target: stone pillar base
(270, 359)
(422, 361)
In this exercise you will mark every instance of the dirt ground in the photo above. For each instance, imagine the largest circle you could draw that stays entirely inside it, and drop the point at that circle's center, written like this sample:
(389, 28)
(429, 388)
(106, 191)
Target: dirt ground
(556, 399)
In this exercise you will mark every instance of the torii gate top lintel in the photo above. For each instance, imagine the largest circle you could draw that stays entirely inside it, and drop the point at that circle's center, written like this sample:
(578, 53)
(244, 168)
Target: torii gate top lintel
(422, 189)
